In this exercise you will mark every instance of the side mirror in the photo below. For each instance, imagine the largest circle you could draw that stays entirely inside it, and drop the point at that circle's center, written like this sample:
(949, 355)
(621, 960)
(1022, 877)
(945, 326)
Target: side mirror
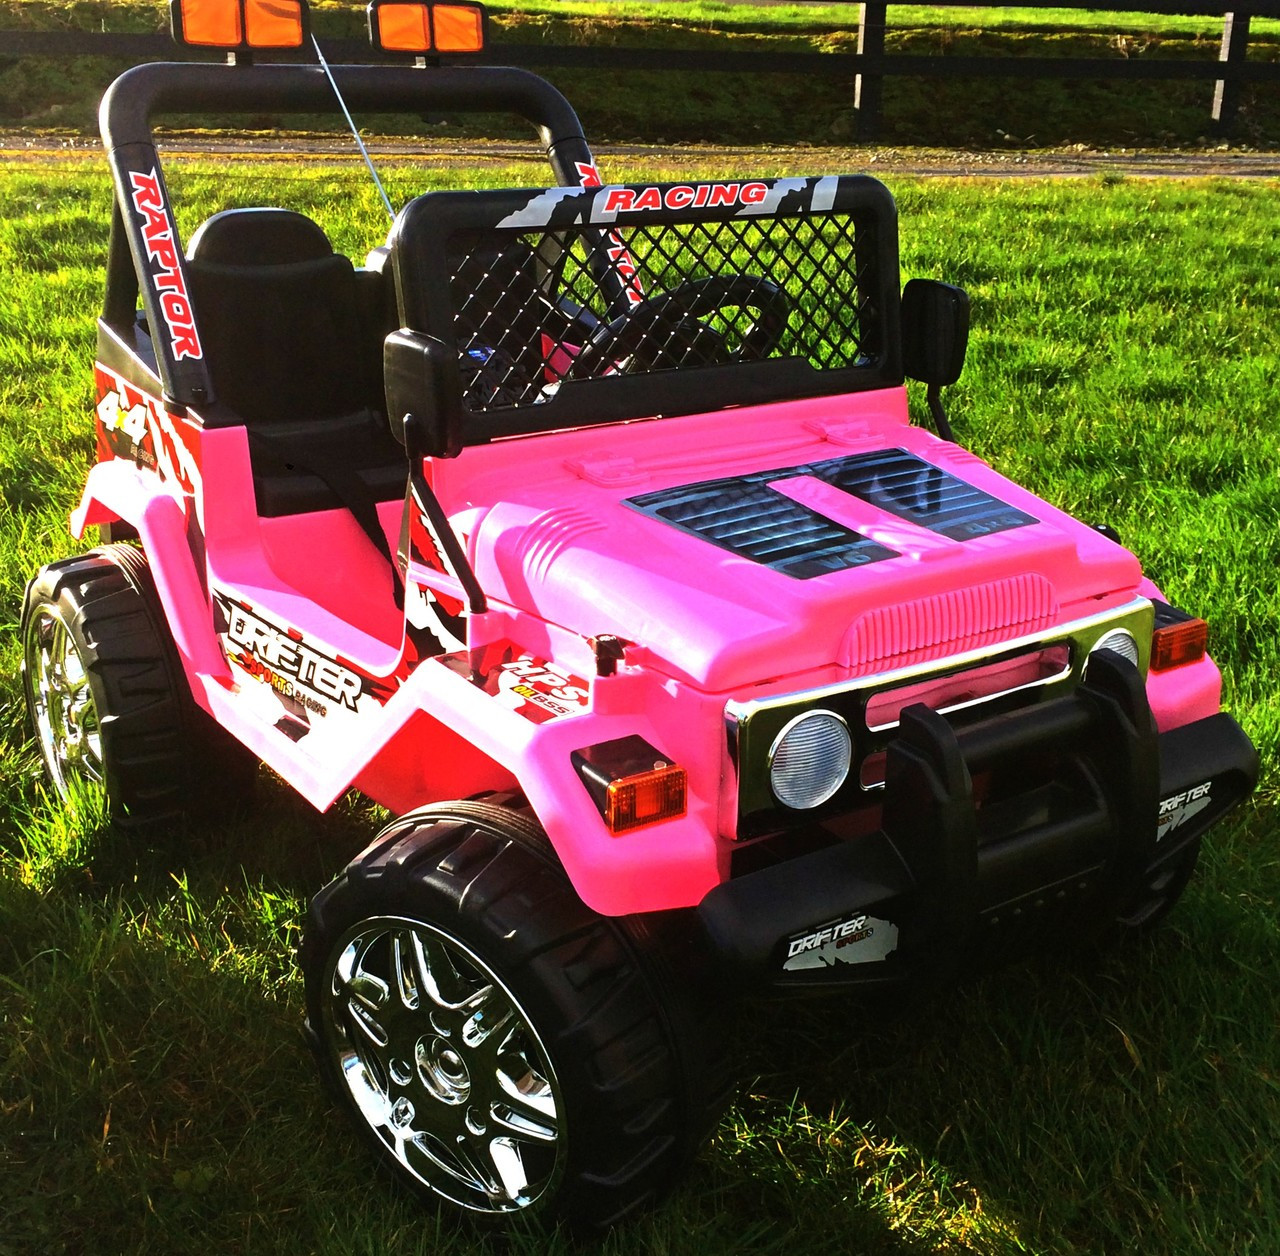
(421, 379)
(935, 331)
(935, 336)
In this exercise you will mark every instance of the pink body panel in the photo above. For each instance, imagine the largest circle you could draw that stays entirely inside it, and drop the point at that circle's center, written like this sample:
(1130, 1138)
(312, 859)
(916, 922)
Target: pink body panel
(1182, 694)
(563, 558)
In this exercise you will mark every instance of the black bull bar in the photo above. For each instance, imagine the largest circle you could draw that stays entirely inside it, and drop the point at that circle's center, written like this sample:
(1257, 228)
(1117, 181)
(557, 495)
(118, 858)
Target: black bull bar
(1107, 809)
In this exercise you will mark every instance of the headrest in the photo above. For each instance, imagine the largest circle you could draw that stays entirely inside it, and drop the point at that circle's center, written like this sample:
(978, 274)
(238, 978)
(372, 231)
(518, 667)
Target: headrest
(258, 237)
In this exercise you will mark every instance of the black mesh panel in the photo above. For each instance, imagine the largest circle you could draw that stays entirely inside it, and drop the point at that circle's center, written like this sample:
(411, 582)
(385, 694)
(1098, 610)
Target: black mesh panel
(543, 308)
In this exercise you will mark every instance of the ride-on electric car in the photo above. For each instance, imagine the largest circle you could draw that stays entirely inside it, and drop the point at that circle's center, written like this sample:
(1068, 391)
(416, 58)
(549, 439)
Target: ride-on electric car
(584, 528)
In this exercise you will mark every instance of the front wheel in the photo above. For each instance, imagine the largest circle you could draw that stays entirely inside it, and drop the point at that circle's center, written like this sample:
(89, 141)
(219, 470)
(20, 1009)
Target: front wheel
(112, 712)
(502, 1047)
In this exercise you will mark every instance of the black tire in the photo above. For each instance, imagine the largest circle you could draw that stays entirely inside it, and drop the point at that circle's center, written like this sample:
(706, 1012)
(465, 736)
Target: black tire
(112, 711)
(620, 1071)
(1159, 893)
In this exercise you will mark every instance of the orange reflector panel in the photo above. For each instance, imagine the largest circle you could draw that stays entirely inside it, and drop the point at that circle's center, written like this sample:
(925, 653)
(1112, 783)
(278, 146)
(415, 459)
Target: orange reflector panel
(208, 23)
(273, 23)
(401, 27)
(239, 25)
(1176, 644)
(631, 802)
(458, 27)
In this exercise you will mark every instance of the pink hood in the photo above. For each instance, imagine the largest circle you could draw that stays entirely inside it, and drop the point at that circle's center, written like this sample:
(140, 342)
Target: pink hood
(557, 525)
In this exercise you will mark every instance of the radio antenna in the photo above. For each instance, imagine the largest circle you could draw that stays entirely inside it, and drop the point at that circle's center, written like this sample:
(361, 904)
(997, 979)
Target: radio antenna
(364, 152)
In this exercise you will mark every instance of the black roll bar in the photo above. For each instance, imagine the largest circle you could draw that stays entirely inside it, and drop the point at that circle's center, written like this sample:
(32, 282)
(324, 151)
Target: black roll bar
(143, 215)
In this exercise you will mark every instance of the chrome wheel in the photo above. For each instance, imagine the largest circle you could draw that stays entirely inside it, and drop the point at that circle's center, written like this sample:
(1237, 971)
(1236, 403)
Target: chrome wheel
(443, 1065)
(62, 706)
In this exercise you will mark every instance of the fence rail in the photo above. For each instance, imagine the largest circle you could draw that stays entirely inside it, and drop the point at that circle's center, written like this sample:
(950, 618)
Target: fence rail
(866, 69)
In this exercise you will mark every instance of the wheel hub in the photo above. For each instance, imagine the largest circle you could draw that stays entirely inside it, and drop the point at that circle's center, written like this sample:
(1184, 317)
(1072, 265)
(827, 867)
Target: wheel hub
(444, 1065)
(443, 1071)
(65, 715)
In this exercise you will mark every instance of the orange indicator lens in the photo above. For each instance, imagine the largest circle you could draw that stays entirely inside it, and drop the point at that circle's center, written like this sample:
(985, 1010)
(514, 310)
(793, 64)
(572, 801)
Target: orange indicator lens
(403, 27)
(458, 27)
(1176, 644)
(273, 23)
(211, 23)
(645, 798)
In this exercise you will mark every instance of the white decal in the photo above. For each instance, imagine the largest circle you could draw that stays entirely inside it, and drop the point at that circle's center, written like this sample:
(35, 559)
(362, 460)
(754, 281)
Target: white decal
(1180, 808)
(541, 685)
(288, 659)
(769, 203)
(537, 213)
(162, 249)
(857, 939)
(172, 455)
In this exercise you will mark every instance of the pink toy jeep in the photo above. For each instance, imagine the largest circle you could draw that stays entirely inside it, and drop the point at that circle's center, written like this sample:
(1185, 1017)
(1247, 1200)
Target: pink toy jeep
(688, 664)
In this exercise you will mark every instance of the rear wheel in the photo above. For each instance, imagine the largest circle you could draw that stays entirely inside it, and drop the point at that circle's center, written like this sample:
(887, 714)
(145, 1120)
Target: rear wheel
(503, 1048)
(113, 716)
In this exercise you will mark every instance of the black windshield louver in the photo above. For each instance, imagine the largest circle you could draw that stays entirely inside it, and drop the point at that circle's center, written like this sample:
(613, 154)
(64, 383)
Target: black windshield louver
(912, 489)
(746, 517)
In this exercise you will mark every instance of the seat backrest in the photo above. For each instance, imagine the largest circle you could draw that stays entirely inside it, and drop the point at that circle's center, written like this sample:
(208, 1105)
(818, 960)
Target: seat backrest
(283, 318)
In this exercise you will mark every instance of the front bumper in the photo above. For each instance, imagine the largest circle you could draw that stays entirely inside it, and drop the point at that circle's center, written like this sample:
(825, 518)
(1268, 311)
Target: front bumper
(1090, 807)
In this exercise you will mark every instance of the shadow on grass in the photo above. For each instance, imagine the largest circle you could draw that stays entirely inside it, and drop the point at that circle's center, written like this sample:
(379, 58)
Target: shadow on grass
(156, 1095)
(1064, 1104)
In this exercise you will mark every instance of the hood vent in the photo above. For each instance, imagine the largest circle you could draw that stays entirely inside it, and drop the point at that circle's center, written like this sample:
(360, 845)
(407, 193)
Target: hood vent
(918, 492)
(743, 515)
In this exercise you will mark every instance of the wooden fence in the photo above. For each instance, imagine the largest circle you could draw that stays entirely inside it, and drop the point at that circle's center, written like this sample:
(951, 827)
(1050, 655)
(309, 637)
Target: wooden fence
(865, 69)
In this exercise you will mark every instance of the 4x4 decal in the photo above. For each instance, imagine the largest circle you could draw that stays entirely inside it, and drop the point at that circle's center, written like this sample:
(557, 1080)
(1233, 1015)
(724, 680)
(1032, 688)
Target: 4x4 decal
(136, 426)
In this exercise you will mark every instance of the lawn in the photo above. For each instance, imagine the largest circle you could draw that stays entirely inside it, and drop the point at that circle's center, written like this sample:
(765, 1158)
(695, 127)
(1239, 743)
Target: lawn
(155, 1095)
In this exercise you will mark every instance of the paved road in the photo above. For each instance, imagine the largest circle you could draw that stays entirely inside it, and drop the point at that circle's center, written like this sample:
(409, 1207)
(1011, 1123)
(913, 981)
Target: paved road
(1230, 163)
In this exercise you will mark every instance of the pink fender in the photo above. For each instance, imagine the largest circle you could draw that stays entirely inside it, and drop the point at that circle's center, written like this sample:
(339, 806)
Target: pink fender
(117, 490)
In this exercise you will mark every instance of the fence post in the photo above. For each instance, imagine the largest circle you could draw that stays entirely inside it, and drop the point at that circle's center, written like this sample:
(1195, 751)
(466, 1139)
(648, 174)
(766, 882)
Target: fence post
(868, 89)
(1226, 92)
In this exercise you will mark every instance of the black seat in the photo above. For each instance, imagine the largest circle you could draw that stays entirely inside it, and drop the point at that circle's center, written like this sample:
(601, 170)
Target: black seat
(293, 336)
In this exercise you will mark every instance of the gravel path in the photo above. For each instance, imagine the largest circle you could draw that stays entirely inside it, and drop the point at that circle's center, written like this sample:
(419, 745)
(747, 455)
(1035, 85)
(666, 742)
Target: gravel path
(1224, 162)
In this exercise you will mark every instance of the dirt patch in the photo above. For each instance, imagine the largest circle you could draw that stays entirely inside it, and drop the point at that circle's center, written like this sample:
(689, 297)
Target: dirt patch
(1038, 163)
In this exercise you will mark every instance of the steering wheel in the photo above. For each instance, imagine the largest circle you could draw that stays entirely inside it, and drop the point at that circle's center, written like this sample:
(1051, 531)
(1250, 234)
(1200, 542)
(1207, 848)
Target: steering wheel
(668, 330)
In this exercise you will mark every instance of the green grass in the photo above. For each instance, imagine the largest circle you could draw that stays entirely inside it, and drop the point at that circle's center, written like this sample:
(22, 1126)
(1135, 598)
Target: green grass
(155, 1095)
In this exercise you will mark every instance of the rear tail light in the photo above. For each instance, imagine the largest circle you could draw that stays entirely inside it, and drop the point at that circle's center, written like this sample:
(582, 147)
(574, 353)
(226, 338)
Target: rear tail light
(1174, 645)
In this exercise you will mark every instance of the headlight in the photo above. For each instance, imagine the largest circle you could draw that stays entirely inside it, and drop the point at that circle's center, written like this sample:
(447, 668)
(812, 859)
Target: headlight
(1121, 641)
(810, 759)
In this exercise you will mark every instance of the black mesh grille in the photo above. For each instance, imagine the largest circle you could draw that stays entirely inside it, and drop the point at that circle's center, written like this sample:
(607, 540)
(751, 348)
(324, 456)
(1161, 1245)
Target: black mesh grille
(532, 310)
(747, 517)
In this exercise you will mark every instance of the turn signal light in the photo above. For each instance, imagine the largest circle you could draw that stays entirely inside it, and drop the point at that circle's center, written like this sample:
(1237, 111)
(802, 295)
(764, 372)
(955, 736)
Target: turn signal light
(1174, 645)
(634, 801)
(239, 24)
(405, 26)
(632, 783)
